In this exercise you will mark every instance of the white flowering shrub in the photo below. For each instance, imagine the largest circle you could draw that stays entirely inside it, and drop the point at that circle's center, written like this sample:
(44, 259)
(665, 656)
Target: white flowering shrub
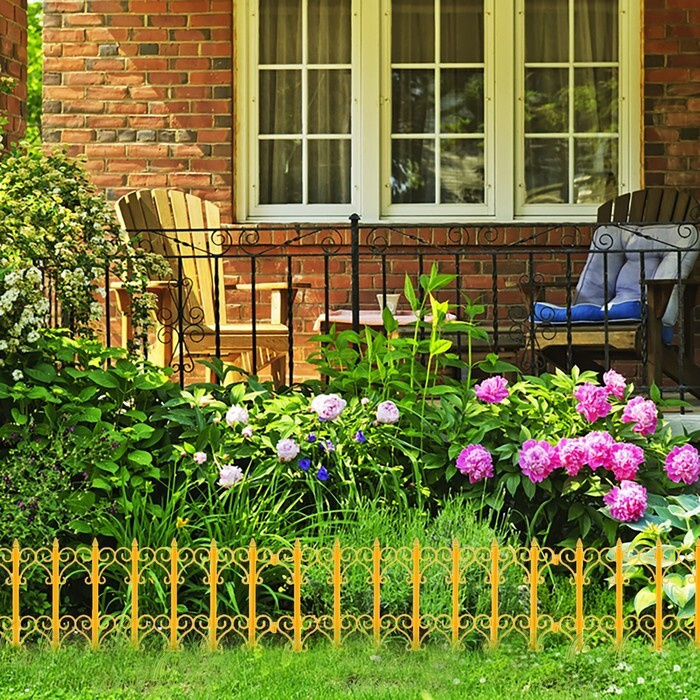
(57, 233)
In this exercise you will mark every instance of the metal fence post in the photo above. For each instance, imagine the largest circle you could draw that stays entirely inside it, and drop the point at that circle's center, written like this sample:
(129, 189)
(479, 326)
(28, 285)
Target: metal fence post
(355, 270)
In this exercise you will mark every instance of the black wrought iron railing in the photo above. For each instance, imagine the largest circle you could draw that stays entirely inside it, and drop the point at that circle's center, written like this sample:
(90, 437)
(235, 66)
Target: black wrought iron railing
(617, 295)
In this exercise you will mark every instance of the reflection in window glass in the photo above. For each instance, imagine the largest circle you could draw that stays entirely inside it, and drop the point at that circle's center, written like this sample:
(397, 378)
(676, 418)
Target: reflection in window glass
(413, 171)
(462, 171)
(546, 171)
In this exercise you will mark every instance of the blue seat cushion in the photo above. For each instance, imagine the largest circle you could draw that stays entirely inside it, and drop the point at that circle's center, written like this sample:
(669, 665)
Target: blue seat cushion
(588, 313)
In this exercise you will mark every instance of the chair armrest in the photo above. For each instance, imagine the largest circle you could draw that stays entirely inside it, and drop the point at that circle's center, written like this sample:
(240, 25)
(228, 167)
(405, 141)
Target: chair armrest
(266, 286)
(282, 297)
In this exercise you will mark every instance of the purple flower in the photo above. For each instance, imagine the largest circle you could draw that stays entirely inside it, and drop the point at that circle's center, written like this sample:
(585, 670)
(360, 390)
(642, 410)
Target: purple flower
(328, 406)
(199, 457)
(311, 437)
(360, 436)
(475, 462)
(615, 383)
(327, 446)
(492, 390)
(236, 414)
(642, 413)
(573, 454)
(592, 401)
(683, 464)
(538, 459)
(625, 460)
(304, 464)
(20, 505)
(387, 412)
(287, 449)
(600, 446)
(229, 475)
(322, 473)
(627, 502)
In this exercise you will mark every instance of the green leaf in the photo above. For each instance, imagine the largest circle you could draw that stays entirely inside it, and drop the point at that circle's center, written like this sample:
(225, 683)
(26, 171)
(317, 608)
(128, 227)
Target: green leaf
(107, 466)
(529, 487)
(18, 417)
(654, 393)
(43, 372)
(644, 598)
(103, 379)
(140, 457)
(91, 414)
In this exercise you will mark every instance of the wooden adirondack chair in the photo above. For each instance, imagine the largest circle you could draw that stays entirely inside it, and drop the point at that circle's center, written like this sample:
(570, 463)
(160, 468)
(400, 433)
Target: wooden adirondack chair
(167, 221)
(593, 343)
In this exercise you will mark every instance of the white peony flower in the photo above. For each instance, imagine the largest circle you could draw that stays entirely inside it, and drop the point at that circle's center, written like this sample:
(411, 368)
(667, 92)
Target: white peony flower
(229, 475)
(236, 414)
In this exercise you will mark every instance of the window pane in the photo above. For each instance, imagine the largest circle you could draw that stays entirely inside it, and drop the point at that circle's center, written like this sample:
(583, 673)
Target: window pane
(280, 172)
(546, 31)
(329, 171)
(461, 101)
(280, 101)
(546, 171)
(329, 101)
(413, 101)
(546, 100)
(595, 38)
(280, 31)
(412, 171)
(329, 31)
(462, 171)
(412, 31)
(595, 99)
(595, 165)
(462, 31)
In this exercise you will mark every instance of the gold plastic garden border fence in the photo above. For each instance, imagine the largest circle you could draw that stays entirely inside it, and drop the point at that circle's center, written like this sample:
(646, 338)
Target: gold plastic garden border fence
(147, 574)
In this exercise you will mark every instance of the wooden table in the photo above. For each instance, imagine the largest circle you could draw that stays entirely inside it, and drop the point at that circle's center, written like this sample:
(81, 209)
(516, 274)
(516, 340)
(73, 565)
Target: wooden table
(342, 318)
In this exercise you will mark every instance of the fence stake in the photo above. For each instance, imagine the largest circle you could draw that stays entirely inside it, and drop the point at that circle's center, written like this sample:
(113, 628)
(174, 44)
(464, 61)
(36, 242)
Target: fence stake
(578, 579)
(173, 593)
(658, 609)
(337, 580)
(296, 580)
(134, 593)
(415, 576)
(534, 578)
(495, 575)
(213, 581)
(696, 582)
(455, 592)
(619, 582)
(252, 591)
(55, 596)
(15, 579)
(376, 591)
(95, 589)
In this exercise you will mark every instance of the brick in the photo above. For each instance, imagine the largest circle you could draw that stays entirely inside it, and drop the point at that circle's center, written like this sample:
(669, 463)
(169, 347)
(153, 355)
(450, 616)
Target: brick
(103, 92)
(106, 122)
(82, 19)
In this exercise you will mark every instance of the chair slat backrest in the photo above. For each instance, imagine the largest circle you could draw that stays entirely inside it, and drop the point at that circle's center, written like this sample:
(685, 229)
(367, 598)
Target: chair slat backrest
(167, 219)
(652, 205)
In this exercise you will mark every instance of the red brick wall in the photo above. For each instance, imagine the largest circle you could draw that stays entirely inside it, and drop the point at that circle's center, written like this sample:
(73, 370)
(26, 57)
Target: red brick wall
(13, 63)
(672, 93)
(143, 89)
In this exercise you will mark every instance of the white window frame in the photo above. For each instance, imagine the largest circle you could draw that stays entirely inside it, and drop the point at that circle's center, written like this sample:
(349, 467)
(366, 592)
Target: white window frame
(371, 123)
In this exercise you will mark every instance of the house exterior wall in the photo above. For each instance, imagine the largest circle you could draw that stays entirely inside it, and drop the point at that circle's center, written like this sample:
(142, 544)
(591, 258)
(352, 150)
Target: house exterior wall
(13, 63)
(672, 93)
(142, 88)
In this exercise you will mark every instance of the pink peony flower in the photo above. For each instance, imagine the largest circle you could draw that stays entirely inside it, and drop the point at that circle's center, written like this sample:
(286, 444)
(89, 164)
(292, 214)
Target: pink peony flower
(492, 390)
(642, 413)
(538, 459)
(625, 459)
(328, 406)
(627, 502)
(236, 414)
(600, 445)
(615, 383)
(573, 454)
(199, 457)
(229, 475)
(287, 449)
(247, 432)
(475, 462)
(683, 464)
(592, 401)
(387, 412)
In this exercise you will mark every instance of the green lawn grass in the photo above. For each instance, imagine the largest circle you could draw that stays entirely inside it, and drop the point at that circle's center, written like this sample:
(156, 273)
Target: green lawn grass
(355, 671)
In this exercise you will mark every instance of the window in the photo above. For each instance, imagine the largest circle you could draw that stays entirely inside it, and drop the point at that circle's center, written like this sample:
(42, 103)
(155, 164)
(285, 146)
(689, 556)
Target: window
(435, 109)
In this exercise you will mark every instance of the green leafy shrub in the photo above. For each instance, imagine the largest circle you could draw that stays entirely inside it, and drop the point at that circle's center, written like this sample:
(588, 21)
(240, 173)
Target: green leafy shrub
(59, 236)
